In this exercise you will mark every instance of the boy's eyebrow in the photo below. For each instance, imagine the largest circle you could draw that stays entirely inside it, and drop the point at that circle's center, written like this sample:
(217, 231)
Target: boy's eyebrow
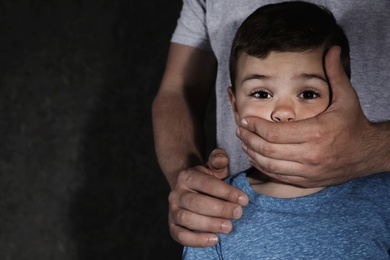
(311, 76)
(300, 76)
(254, 76)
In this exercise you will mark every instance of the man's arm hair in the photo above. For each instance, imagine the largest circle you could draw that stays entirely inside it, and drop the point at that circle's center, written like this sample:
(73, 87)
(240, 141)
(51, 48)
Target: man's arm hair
(179, 109)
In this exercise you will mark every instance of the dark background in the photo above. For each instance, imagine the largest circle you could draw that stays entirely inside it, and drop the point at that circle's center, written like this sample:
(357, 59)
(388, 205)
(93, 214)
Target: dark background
(78, 173)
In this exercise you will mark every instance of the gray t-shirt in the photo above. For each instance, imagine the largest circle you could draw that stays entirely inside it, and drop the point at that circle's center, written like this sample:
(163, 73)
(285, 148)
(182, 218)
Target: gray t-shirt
(211, 25)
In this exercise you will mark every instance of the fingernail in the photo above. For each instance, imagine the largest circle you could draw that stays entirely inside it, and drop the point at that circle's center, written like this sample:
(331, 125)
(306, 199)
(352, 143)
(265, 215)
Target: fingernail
(237, 212)
(244, 122)
(226, 227)
(213, 240)
(242, 200)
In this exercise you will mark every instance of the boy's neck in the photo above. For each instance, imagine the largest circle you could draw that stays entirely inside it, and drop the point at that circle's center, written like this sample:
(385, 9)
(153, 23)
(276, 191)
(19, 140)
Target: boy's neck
(268, 186)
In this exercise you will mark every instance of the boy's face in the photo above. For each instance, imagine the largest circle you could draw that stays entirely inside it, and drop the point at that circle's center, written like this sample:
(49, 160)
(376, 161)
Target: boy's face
(285, 86)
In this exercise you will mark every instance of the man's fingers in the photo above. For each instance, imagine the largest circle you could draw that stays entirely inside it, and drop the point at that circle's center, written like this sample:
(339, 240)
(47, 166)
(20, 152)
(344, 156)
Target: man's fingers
(282, 133)
(206, 205)
(275, 146)
(269, 165)
(254, 144)
(259, 150)
(195, 180)
(194, 221)
(182, 222)
(202, 202)
(195, 239)
(285, 171)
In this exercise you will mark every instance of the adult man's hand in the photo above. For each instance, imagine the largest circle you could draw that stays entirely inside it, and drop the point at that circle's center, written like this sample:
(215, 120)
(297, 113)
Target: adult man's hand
(201, 201)
(328, 149)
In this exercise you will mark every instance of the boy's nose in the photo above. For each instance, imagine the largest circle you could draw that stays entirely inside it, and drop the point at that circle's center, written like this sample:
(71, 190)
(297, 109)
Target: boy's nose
(283, 113)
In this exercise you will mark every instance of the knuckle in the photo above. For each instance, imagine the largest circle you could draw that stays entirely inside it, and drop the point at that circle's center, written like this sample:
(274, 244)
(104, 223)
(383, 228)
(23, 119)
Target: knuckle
(267, 150)
(179, 235)
(206, 185)
(177, 232)
(182, 218)
(271, 135)
(183, 176)
(272, 167)
(320, 136)
(172, 197)
(320, 133)
(226, 211)
(242, 133)
(180, 181)
(195, 202)
(231, 194)
(313, 158)
(182, 237)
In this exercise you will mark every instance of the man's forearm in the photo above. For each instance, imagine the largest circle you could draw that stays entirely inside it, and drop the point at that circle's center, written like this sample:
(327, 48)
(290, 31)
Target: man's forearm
(179, 109)
(178, 135)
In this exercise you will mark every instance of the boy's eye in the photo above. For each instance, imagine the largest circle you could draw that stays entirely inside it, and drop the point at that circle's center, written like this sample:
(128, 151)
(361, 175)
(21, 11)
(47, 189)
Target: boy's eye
(261, 95)
(309, 94)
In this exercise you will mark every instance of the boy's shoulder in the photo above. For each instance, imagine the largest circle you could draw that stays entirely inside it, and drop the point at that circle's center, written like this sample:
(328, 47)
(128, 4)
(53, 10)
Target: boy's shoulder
(241, 182)
(379, 180)
(375, 186)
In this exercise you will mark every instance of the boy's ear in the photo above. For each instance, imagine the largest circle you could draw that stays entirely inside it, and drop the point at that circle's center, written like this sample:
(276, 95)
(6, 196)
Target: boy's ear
(233, 102)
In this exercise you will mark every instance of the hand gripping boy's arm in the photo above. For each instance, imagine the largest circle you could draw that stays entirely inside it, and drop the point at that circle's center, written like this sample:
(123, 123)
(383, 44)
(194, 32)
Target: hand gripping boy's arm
(199, 199)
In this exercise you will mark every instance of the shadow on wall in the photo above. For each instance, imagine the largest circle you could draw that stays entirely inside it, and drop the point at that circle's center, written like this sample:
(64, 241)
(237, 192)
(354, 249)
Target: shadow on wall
(120, 212)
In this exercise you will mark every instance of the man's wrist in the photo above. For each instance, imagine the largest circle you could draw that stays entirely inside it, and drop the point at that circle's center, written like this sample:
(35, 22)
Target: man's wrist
(378, 148)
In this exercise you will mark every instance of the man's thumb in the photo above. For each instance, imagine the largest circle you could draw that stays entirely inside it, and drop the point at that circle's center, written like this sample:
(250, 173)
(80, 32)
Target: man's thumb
(218, 163)
(338, 79)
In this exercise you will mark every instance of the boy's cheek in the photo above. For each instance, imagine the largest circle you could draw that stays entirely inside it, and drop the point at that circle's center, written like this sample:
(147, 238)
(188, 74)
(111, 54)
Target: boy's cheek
(254, 110)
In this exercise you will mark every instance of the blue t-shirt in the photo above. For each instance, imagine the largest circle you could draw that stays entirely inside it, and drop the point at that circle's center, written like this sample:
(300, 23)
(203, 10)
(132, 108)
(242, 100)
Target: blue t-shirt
(348, 221)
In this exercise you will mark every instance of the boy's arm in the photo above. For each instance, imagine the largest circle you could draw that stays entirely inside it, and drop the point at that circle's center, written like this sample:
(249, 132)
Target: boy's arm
(198, 200)
(336, 146)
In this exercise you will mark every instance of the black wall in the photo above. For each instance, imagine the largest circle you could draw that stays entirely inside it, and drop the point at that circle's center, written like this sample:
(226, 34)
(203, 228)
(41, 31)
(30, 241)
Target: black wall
(78, 173)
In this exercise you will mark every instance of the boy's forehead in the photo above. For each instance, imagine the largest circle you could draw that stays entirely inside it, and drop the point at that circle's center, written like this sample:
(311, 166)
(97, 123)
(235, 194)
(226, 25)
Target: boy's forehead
(317, 51)
(281, 64)
(311, 56)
